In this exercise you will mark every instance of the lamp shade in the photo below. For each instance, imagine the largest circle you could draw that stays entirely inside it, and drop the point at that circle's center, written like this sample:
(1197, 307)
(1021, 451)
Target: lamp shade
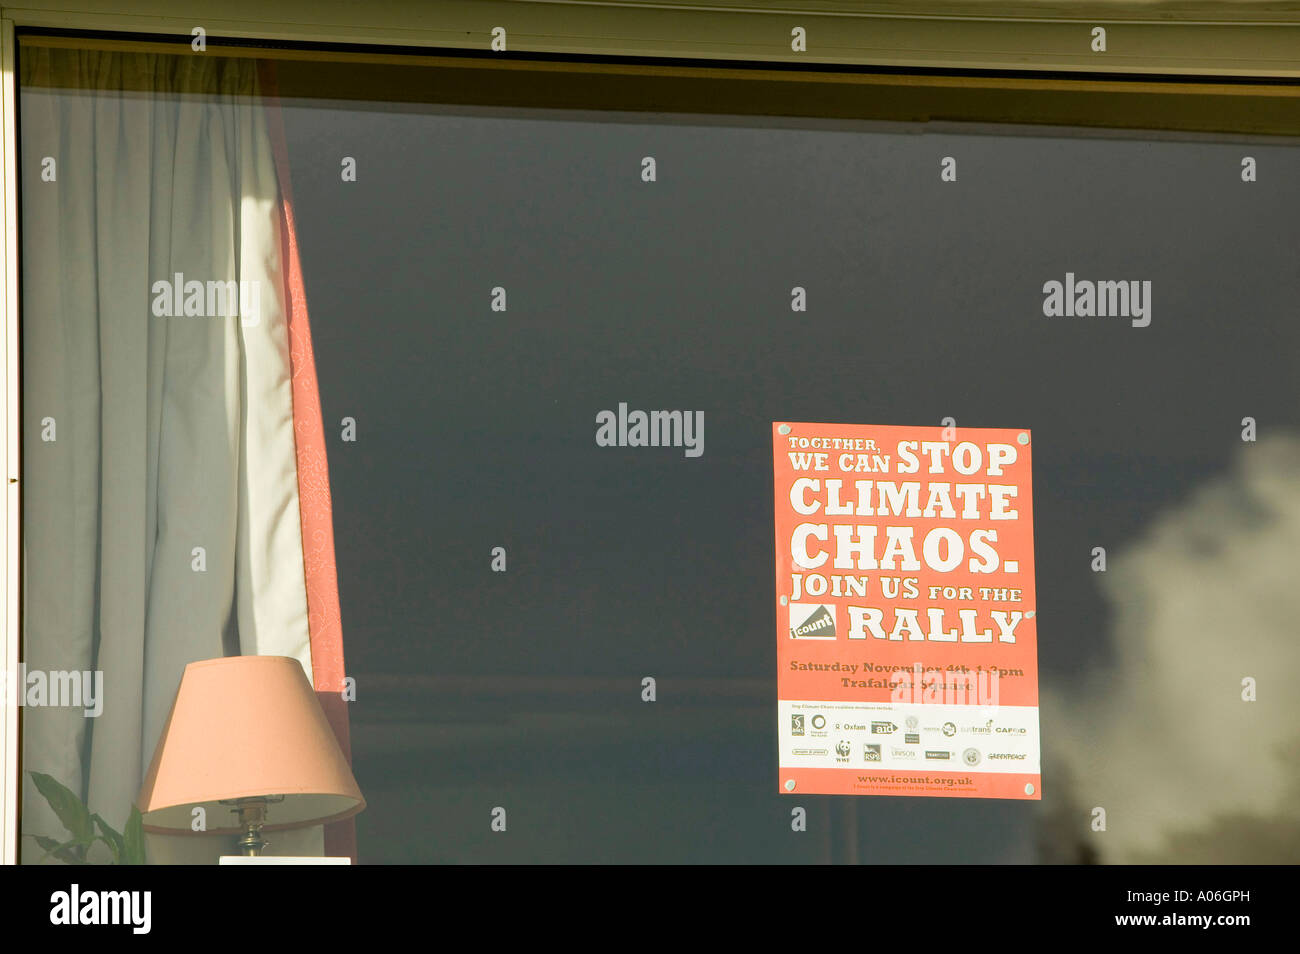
(246, 727)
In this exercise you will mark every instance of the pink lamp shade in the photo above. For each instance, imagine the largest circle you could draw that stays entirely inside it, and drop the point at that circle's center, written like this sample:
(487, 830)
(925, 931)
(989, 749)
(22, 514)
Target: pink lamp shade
(244, 727)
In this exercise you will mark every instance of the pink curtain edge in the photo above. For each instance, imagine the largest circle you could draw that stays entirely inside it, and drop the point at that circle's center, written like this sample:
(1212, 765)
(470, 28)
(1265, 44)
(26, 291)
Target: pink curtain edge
(314, 500)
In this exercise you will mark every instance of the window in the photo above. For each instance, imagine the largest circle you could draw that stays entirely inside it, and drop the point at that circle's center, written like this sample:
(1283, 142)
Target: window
(492, 258)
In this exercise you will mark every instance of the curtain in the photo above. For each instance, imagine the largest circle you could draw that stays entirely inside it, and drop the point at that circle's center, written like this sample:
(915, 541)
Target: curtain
(162, 516)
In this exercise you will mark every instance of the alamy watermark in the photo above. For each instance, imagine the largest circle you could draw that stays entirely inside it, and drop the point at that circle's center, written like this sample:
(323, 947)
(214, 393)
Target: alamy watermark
(56, 688)
(1103, 299)
(947, 685)
(651, 429)
(178, 298)
(78, 906)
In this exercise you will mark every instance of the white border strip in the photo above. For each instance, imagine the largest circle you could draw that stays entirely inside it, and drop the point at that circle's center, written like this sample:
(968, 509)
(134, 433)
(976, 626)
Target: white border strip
(10, 634)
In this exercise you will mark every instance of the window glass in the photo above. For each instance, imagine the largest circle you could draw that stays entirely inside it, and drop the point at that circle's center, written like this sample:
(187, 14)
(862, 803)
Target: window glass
(484, 282)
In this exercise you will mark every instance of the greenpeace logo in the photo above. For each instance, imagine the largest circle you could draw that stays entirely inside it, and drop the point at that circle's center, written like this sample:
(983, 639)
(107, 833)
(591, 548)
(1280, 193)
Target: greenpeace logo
(683, 429)
(74, 906)
(1007, 755)
(812, 621)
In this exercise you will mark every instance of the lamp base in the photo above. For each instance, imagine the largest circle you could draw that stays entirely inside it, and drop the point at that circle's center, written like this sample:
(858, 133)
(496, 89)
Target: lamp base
(252, 818)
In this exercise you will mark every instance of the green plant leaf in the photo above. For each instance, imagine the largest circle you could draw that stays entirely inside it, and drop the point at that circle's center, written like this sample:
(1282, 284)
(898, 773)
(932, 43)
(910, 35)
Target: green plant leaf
(65, 852)
(49, 844)
(133, 839)
(67, 807)
(110, 837)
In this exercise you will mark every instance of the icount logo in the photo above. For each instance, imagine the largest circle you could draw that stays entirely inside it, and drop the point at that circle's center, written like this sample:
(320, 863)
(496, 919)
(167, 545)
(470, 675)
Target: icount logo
(812, 621)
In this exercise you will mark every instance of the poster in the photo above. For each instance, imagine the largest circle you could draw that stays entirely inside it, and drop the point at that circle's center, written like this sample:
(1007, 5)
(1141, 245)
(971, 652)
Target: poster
(906, 628)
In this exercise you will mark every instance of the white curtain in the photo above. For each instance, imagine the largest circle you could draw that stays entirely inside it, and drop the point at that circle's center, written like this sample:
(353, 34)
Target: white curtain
(147, 438)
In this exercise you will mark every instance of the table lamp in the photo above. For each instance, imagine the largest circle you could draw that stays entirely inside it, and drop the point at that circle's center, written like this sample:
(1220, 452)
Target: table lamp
(246, 741)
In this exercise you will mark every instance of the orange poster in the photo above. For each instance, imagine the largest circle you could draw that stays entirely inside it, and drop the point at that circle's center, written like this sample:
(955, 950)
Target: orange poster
(906, 628)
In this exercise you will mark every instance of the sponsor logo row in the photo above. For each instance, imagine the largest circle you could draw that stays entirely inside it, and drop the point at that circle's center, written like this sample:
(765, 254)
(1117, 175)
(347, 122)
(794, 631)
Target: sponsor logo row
(800, 725)
(875, 752)
(909, 734)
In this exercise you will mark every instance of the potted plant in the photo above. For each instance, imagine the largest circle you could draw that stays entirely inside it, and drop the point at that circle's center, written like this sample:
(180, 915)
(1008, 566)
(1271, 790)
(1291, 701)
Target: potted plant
(86, 828)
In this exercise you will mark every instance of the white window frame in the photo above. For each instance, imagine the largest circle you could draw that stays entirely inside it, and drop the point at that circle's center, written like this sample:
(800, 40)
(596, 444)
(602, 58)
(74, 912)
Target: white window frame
(893, 33)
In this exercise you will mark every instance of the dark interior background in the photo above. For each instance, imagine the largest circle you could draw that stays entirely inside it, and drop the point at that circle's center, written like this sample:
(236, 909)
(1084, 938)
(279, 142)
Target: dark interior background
(476, 429)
